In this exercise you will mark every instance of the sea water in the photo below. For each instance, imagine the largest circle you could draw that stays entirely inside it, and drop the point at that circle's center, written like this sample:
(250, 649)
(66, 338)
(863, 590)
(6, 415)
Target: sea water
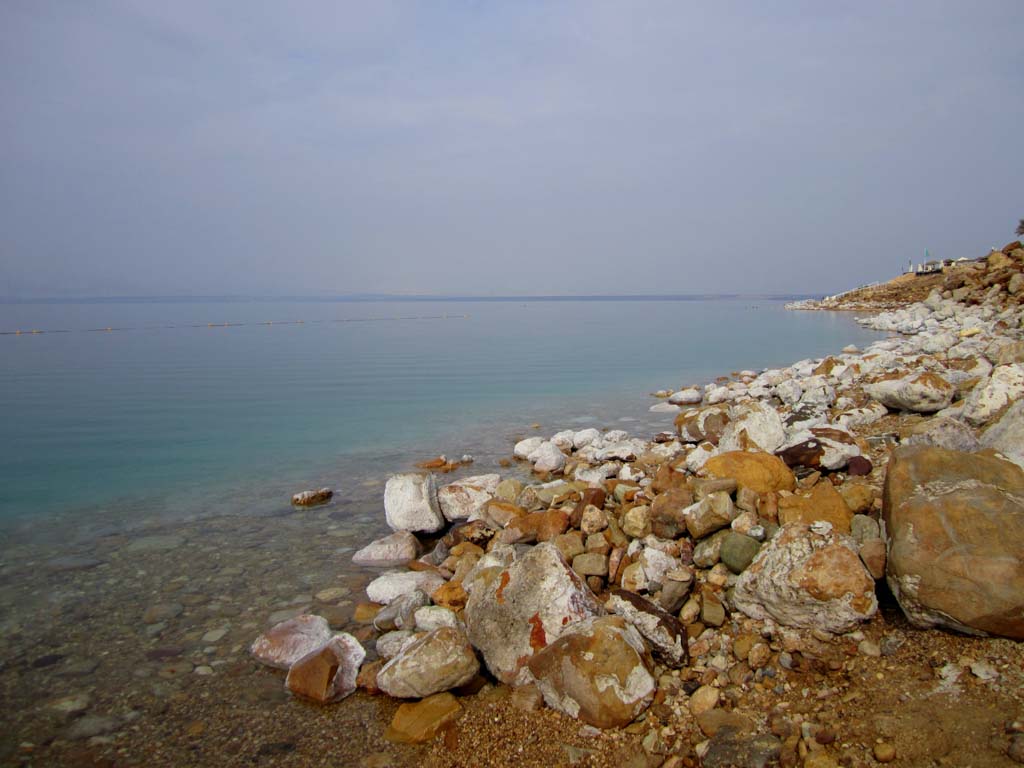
(190, 407)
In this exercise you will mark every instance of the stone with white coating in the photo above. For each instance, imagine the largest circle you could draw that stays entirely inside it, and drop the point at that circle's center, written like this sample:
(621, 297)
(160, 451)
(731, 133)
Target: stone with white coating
(397, 548)
(390, 586)
(287, 642)
(410, 503)
(439, 661)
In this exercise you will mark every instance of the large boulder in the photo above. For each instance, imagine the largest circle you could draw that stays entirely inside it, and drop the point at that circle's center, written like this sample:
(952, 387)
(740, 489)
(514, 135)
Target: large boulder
(943, 432)
(597, 671)
(397, 548)
(516, 610)
(410, 503)
(806, 579)
(439, 661)
(287, 642)
(991, 396)
(919, 392)
(758, 471)
(328, 673)
(955, 528)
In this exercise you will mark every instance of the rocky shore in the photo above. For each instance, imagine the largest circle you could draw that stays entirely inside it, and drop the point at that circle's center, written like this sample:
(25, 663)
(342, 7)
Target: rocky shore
(822, 565)
(816, 565)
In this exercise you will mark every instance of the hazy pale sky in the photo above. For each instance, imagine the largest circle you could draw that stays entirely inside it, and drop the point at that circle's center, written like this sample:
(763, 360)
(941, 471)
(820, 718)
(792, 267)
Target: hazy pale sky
(503, 147)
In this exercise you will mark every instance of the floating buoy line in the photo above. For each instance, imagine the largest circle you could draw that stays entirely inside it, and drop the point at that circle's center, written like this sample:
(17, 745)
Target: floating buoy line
(267, 323)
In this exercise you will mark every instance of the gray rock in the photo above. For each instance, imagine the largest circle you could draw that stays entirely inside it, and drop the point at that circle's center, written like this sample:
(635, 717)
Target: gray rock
(708, 551)
(410, 503)
(390, 644)
(398, 614)
(395, 549)
(91, 725)
(729, 748)
(441, 660)
(863, 528)
(738, 551)
(944, 432)
(1007, 434)
(158, 543)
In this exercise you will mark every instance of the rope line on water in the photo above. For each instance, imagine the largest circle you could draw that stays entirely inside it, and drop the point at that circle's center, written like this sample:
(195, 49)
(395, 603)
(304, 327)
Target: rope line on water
(112, 329)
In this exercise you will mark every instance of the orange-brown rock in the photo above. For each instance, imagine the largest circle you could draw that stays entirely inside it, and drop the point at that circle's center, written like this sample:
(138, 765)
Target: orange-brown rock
(450, 595)
(329, 673)
(666, 515)
(421, 722)
(824, 502)
(955, 523)
(761, 472)
(542, 526)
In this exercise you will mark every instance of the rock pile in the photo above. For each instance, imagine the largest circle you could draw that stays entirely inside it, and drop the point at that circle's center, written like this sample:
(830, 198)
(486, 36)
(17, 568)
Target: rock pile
(633, 571)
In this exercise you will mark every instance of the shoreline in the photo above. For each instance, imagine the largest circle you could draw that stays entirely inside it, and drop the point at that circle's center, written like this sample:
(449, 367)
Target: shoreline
(800, 660)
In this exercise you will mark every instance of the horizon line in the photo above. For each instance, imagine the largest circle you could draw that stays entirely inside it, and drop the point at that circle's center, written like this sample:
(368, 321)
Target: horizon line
(397, 297)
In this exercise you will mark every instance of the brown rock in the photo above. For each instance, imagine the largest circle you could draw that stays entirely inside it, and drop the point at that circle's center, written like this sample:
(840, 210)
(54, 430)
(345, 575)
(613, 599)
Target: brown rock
(761, 472)
(422, 721)
(597, 671)
(823, 503)
(667, 521)
(703, 424)
(955, 523)
(451, 594)
(327, 674)
(591, 497)
(872, 554)
(858, 497)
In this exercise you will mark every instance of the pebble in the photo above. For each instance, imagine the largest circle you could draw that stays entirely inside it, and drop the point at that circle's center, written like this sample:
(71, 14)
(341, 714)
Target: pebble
(703, 699)
(175, 669)
(77, 702)
(203, 670)
(331, 594)
(884, 752)
(215, 635)
(869, 648)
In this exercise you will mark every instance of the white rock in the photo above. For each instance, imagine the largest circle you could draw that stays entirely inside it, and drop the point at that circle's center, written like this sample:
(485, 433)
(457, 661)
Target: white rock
(547, 458)
(753, 426)
(691, 396)
(410, 503)
(524, 448)
(287, 642)
(466, 497)
(664, 408)
(1007, 434)
(585, 437)
(431, 617)
(563, 439)
(395, 549)
(1004, 386)
(389, 586)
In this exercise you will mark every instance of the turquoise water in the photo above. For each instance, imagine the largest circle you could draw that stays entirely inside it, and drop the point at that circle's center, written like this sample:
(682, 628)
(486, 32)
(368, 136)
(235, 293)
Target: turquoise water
(171, 415)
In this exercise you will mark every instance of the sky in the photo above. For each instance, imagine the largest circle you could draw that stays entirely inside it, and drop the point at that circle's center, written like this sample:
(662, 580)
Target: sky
(487, 148)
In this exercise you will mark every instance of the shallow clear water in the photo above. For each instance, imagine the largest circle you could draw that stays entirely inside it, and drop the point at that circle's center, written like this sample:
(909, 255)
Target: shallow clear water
(170, 415)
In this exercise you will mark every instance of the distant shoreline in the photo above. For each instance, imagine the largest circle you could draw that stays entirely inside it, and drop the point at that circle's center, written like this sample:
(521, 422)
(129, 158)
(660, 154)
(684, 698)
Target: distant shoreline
(397, 298)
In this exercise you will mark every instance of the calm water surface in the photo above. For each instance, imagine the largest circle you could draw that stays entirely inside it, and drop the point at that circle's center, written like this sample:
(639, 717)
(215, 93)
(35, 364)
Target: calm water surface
(167, 414)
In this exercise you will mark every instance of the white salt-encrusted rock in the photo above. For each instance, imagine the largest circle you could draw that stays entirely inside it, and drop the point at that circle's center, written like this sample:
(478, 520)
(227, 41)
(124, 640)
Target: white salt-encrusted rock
(661, 629)
(524, 448)
(753, 426)
(920, 392)
(395, 549)
(516, 610)
(988, 398)
(690, 396)
(563, 439)
(287, 642)
(859, 417)
(390, 586)
(547, 458)
(802, 578)
(431, 617)
(585, 437)
(410, 503)
(465, 498)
